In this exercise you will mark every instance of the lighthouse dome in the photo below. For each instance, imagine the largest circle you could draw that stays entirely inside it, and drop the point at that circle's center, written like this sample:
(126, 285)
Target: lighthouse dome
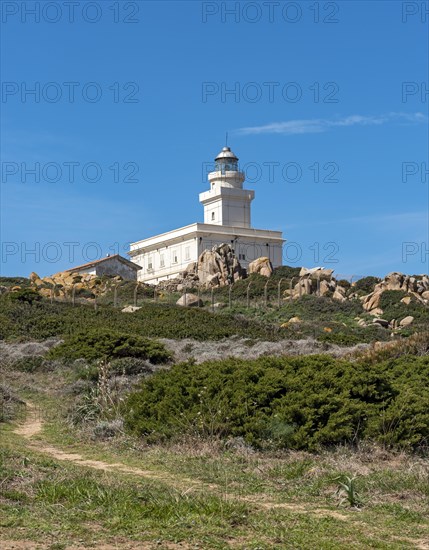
(226, 153)
(226, 161)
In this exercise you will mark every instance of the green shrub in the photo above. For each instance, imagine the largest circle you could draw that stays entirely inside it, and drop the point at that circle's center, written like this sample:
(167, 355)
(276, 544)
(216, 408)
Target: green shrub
(393, 308)
(45, 320)
(344, 283)
(25, 295)
(300, 403)
(85, 371)
(285, 272)
(29, 364)
(10, 404)
(366, 284)
(14, 281)
(340, 338)
(98, 344)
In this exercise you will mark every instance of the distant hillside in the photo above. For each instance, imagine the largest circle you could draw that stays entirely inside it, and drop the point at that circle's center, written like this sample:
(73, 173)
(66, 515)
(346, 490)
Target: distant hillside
(249, 309)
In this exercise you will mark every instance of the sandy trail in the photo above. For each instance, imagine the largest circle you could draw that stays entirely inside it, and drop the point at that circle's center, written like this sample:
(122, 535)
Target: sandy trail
(33, 425)
(33, 422)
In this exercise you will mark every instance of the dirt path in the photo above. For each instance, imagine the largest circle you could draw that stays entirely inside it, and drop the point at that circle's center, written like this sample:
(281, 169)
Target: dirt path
(33, 424)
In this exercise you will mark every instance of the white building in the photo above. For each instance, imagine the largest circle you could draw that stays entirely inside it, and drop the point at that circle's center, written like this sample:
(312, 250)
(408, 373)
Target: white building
(226, 220)
(110, 266)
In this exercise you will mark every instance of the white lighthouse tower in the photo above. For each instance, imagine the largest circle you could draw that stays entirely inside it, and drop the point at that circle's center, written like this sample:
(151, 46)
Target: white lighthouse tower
(226, 202)
(226, 220)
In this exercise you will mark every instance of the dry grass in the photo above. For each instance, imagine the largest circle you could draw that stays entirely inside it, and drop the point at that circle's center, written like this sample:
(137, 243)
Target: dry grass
(416, 344)
(242, 348)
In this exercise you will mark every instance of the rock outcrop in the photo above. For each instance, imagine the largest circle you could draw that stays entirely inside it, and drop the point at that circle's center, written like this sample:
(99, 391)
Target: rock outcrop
(406, 321)
(189, 300)
(262, 266)
(318, 281)
(130, 309)
(414, 286)
(219, 266)
(64, 283)
(216, 267)
(320, 272)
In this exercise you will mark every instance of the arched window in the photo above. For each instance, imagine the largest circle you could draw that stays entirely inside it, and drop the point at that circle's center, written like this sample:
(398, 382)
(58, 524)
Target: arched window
(213, 216)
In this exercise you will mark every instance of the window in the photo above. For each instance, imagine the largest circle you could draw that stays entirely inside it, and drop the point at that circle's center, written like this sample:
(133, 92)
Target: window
(213, 216)
(242, 256)
(174, 256)
(187, 253)
(149, 264)
(161, 260)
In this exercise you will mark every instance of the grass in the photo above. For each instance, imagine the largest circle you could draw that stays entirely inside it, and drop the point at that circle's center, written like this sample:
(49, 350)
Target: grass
(40, 494)
(199, 493)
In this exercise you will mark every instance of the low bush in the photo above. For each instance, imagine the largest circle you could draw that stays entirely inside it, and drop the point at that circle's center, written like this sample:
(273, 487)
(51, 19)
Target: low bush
(29, 364)
(44, 320)
(25, 295)
(366, 284)
(298, 403)
(103, 344)
(393, 308)
(10, 404)
(344, 283)
(106, 429)
(285, 272)
(10, 282)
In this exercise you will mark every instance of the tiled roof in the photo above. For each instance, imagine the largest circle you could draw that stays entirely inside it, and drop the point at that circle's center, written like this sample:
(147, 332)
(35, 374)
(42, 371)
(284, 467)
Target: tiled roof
(96, 262)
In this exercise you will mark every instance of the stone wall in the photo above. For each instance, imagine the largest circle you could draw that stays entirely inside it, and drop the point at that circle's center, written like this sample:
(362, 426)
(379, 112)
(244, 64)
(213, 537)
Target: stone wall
(112, 267)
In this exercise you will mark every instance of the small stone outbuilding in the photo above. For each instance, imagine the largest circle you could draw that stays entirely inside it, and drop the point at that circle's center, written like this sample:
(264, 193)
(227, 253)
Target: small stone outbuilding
(111, 266)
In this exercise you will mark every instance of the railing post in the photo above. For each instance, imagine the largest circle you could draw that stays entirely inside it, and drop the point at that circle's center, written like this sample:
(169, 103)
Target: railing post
(266, 293)
(248, 295)
(279, 293)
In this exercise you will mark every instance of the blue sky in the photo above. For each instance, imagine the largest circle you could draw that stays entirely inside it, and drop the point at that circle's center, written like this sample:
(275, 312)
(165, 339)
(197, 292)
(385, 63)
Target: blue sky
(324, 102)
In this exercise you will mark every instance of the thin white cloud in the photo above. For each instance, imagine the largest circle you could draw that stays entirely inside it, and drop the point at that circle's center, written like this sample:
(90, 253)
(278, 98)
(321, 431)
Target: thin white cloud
(318, 125)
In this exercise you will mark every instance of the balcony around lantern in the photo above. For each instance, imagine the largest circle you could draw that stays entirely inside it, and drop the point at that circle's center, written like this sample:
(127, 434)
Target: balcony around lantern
(227, 178)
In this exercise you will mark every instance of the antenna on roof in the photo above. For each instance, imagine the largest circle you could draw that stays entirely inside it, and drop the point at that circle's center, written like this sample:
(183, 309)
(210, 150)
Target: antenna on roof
(226, 139)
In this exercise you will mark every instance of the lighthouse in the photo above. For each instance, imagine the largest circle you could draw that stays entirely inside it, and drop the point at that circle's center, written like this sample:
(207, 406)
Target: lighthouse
(227, 219)
(226, 202)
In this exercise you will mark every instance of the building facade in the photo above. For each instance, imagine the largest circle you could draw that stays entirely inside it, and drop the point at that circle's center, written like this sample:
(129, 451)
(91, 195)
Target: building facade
(227, 219)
